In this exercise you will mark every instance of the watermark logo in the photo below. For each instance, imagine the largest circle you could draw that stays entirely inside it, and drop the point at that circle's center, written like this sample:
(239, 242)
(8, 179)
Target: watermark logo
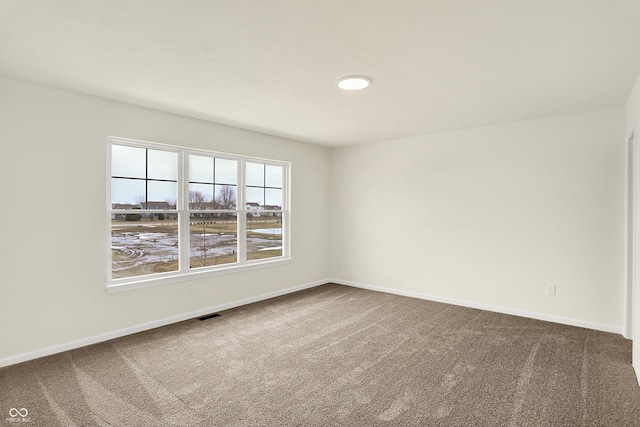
(22, 412)
(18, 415)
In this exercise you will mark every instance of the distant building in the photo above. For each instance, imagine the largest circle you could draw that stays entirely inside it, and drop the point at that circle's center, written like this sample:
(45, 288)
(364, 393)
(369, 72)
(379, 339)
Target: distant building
(126, 206)
(156, 205)
(254, 208)
(268, 208)
(141, 207)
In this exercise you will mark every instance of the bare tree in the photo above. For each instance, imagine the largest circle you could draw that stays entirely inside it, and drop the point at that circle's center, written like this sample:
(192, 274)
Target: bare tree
(226, 198)
(141, 200)
(197, 200)
(171, 202)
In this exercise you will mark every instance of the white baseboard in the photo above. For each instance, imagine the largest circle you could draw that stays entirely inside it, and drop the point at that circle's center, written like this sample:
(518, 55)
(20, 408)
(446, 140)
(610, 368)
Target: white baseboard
(23, 357)
(487, 307)
(11, 360)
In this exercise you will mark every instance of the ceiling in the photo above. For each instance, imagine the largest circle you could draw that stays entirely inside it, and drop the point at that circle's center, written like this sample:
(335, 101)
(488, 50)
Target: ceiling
(272, 65)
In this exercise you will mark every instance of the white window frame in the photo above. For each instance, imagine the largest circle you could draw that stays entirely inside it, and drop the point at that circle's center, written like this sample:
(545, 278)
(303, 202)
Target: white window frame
(184, 271)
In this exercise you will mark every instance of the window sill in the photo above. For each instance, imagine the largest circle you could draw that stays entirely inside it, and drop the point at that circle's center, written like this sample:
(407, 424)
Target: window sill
(128, 285)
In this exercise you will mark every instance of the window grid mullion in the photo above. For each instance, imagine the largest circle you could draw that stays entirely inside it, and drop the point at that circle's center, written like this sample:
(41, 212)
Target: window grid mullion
(146, 178)
(184, 217)
(241, 202)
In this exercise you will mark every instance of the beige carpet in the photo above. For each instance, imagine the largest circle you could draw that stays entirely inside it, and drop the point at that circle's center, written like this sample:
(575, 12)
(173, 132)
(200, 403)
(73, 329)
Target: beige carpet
(335, 356)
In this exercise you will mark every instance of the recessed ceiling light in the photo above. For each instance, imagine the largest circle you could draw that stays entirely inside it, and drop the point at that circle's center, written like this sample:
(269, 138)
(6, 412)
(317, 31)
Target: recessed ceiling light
(353, 82)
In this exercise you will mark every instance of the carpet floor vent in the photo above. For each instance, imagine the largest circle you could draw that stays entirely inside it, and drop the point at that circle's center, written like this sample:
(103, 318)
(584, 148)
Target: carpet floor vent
(209, 316)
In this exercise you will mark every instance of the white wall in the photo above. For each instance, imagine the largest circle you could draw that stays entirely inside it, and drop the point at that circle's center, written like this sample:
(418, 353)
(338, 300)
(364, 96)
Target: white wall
(632, 120)
(490, 216)
(487, 216)
(53, 222)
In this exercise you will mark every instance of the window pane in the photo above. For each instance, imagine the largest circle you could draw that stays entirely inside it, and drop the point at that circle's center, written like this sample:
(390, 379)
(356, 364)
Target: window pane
(255, 196)
(255, 174)
(200, 169)
(160, 191)
(226, 171)
(264, 236)
(273, 199)
(162, 165)
(127, 193)
(213, 239)
(128, 162)
(225, 197)
(273, 176)
(143, 243)
(201, 196)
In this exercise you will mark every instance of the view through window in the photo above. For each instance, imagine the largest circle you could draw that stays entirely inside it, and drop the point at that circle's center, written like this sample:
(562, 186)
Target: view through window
(175, 211)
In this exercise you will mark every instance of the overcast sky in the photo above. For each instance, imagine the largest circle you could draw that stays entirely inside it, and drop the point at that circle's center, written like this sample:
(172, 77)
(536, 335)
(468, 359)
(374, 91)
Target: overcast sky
(206, 175)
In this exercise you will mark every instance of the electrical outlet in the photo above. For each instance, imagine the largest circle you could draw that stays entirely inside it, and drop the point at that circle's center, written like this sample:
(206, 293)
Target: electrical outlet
(551, 290)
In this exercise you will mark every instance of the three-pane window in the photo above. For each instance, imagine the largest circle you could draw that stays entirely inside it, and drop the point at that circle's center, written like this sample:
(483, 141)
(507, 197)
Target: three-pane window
(175, 211)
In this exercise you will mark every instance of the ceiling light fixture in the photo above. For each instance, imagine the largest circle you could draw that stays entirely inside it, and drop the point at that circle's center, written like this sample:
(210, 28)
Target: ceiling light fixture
(353, 83)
